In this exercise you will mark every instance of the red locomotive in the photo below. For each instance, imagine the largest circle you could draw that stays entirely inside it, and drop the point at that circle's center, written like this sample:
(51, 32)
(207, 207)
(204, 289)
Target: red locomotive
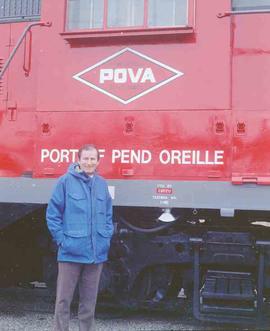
(175, 95)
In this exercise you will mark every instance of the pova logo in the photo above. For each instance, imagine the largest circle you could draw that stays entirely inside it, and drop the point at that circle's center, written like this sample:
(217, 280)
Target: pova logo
(127, 75)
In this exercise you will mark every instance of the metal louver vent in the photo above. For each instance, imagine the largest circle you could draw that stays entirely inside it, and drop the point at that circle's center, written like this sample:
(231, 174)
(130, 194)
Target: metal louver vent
(19, 10)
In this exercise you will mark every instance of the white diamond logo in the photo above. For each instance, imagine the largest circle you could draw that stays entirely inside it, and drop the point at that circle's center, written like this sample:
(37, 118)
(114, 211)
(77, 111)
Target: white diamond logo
(127, 75)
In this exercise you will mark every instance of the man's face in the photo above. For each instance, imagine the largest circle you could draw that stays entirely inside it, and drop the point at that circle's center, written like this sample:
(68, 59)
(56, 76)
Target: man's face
(89, 161)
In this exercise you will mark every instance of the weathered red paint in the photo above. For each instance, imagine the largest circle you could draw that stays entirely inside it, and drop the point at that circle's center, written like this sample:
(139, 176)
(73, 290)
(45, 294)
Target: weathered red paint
(220, 103)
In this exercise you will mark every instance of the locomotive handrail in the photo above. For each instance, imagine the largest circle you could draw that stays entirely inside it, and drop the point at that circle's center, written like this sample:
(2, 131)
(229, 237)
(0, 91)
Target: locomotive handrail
(242, 12)
(12, 54)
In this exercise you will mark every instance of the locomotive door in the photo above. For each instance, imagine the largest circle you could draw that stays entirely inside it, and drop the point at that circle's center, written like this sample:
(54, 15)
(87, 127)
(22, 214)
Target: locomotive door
(17, 103)
(250, 95)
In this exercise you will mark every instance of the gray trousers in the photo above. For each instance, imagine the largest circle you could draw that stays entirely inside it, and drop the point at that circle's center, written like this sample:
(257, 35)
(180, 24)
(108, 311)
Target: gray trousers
(69, 275)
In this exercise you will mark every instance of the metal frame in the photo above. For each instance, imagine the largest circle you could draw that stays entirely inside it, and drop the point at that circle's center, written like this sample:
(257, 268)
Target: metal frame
(196, 245)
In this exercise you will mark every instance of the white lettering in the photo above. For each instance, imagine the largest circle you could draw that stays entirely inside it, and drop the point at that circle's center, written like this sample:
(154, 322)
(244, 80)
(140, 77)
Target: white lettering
(55, 155)
(59, 155)
(140, 156)
(148, 75)
(135, 156)
(101, 152)
(186, 157)
(125, 156)
(115, 155)
(218, 157)
(146, 156)
(198, 155)
(135, 77)
(191, 157)
(207, 161)
(65, 155)
(164, 157)
(131, 156)
(175, 157)
(105, 74)
(44, 154)
(73, 155)
(120, 76)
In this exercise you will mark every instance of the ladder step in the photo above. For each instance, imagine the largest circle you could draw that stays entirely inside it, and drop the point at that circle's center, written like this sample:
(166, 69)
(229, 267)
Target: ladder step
(226, 296)
(228, 293)
(226, 286)
(228, 310)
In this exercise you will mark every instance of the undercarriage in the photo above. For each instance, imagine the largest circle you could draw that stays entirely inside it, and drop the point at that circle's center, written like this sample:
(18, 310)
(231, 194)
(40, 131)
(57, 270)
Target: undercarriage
(219, 265)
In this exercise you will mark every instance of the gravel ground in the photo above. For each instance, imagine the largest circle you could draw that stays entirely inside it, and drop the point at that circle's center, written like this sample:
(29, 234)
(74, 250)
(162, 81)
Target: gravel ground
(37, 321)
(32, 310)
(43, 322)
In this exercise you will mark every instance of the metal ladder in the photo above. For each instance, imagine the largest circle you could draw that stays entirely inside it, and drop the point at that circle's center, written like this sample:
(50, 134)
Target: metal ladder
(231, 293)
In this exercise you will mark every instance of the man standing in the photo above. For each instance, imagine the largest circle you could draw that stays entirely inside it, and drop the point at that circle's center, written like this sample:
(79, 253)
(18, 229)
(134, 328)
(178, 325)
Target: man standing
(79, 217)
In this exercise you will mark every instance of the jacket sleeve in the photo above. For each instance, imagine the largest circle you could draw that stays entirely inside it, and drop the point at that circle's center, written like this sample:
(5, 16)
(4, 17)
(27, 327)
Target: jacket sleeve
(55, 212)
(109, 213)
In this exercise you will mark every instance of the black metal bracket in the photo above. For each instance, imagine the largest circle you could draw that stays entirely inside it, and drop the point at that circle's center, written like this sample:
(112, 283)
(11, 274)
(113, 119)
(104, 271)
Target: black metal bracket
(262, 245)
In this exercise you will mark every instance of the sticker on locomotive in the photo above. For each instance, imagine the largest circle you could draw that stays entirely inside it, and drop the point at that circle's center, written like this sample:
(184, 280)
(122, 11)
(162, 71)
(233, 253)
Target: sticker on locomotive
(127, 75)
(130, 156)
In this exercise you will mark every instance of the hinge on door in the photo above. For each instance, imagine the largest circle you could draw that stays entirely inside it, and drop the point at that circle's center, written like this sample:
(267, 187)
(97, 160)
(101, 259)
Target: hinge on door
(246, 179)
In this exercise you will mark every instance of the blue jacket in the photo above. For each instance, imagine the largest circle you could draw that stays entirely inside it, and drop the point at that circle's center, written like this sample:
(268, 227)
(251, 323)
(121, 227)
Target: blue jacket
(79, 217)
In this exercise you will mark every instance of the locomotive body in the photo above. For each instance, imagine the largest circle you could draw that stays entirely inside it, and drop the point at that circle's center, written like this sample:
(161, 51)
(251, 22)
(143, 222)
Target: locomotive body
(178, 107)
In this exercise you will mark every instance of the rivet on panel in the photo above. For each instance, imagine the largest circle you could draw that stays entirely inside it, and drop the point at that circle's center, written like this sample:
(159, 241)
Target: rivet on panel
(220, 127)
(241, 127)
(45, 127)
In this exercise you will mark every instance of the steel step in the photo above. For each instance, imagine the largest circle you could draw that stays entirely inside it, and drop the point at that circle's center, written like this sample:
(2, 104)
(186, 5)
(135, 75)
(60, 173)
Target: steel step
(229, 293)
